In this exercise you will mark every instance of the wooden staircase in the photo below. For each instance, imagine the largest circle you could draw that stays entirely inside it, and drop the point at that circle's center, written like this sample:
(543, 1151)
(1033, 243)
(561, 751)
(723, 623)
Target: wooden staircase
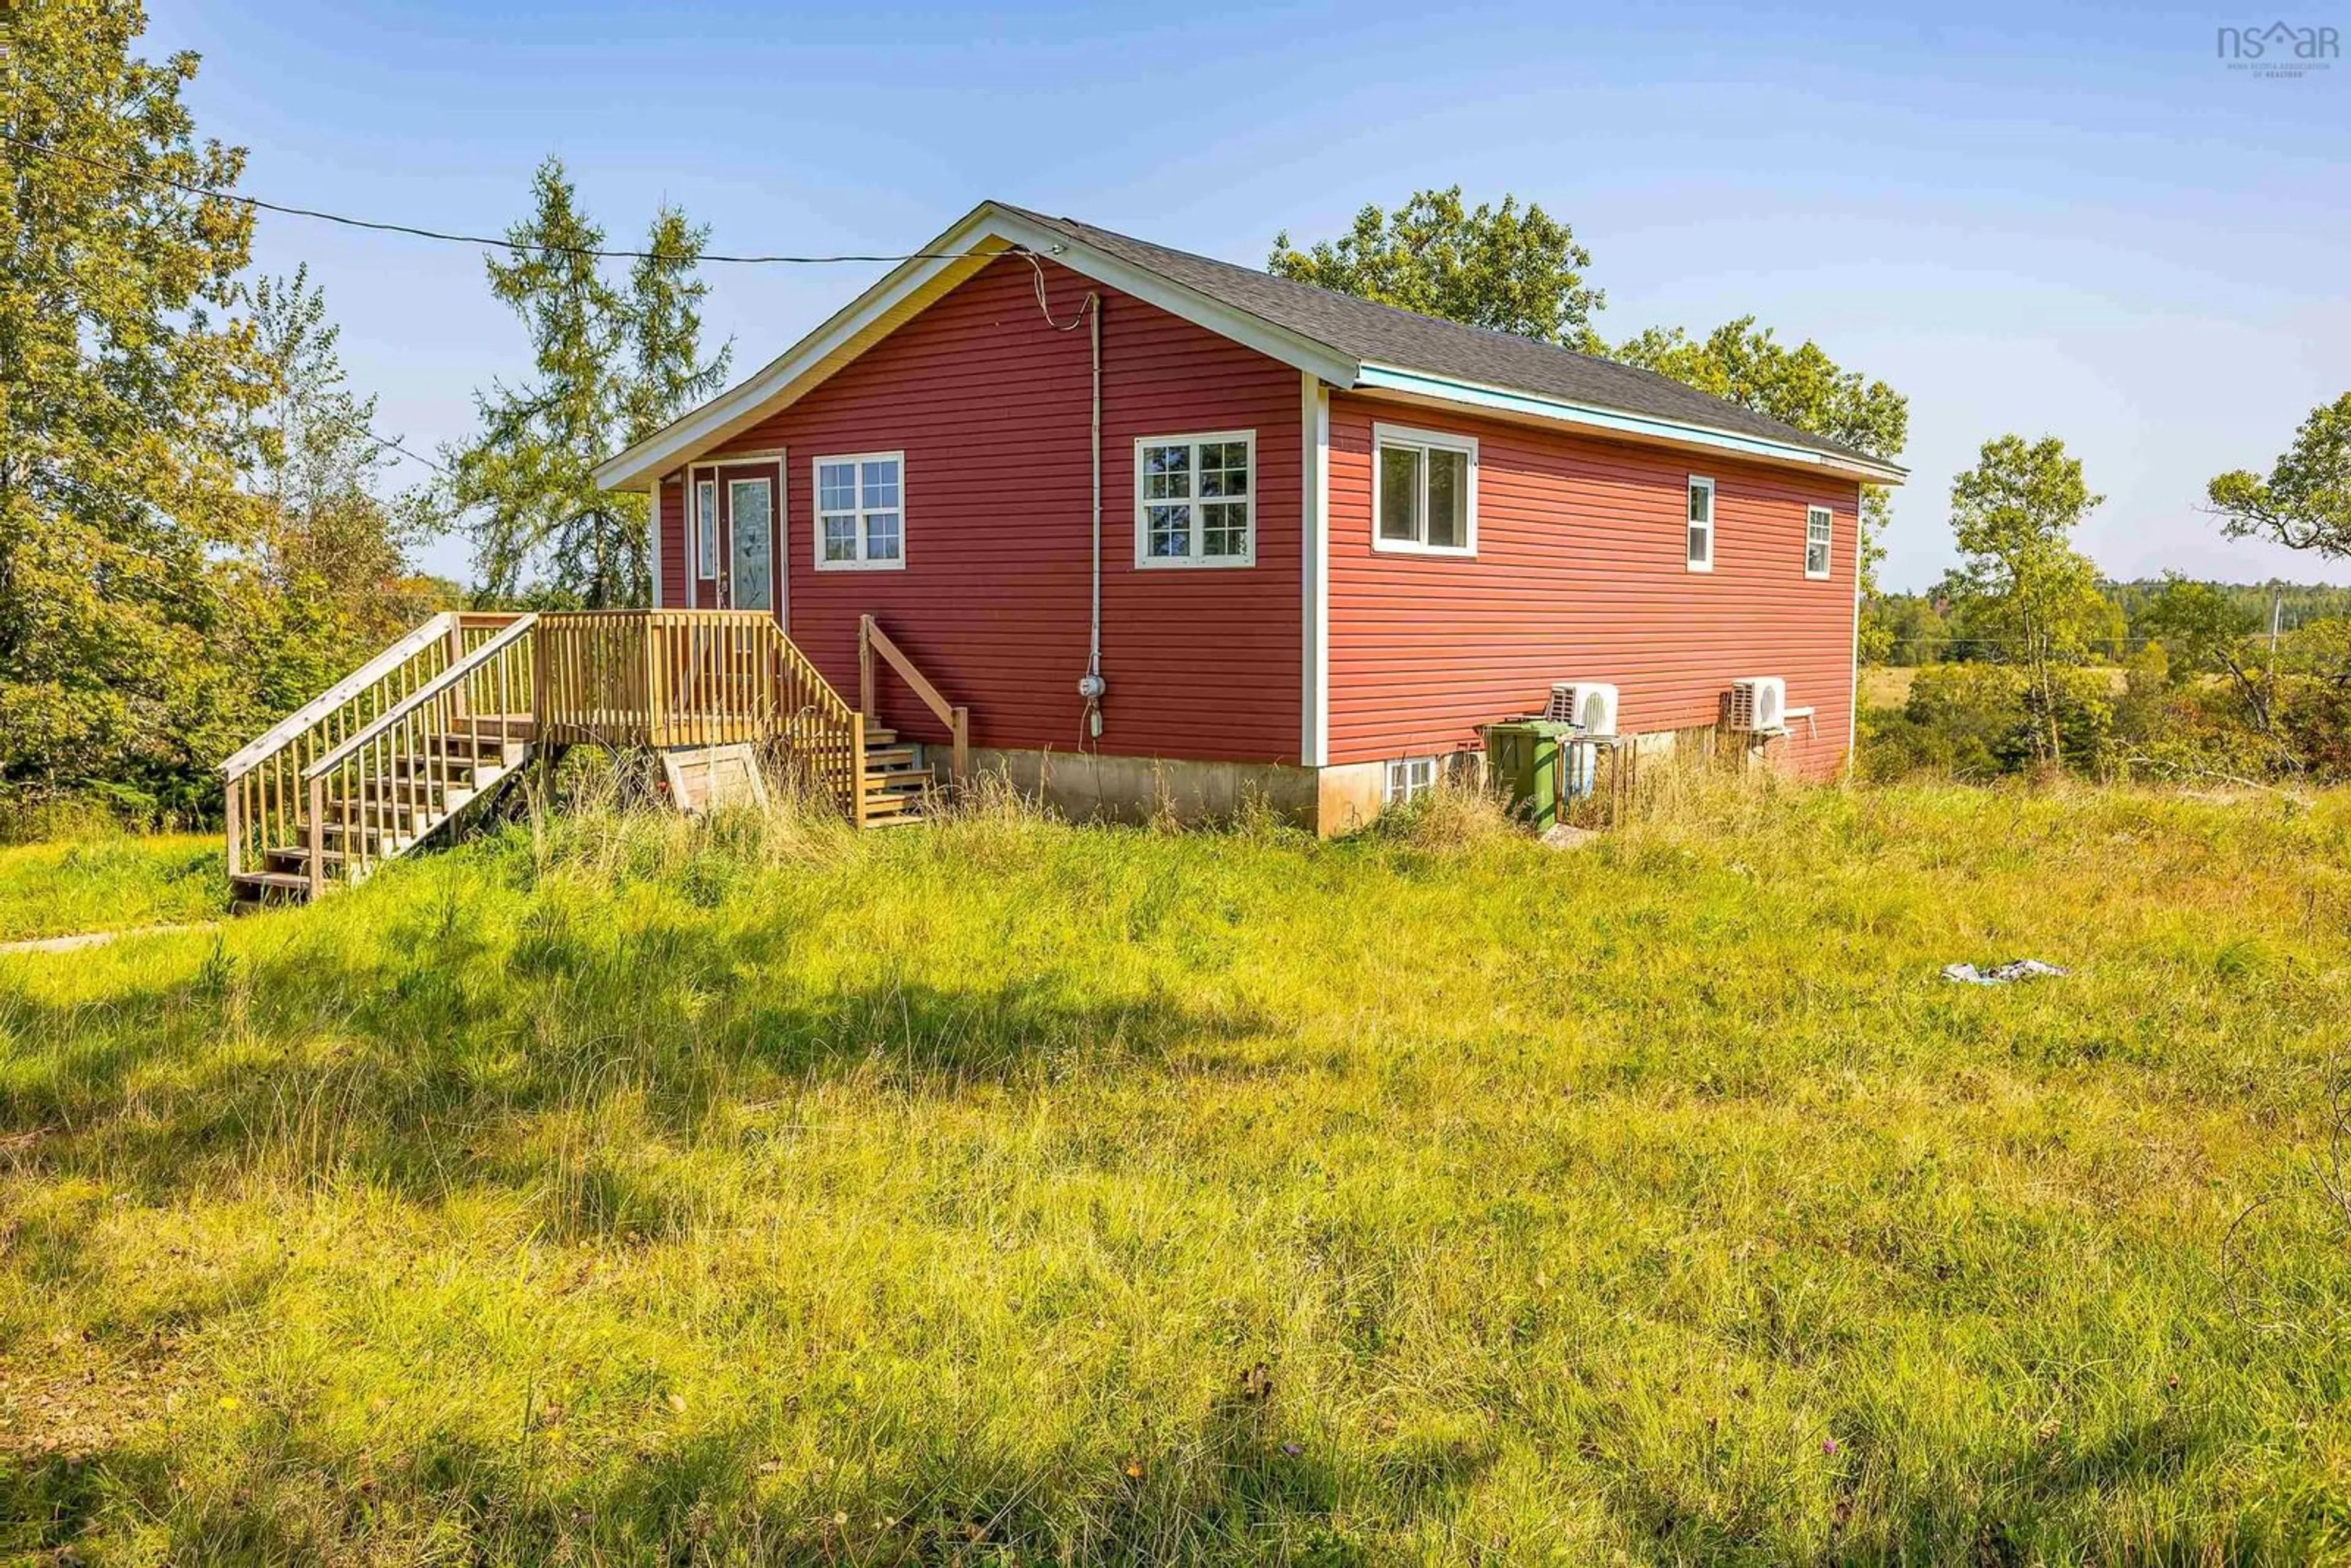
(384, 759)
(365, 827)
(427, 730)
(898, 781)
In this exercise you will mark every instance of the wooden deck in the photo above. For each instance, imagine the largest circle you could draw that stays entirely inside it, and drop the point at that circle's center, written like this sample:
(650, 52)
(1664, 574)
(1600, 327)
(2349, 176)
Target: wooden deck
(440, 718)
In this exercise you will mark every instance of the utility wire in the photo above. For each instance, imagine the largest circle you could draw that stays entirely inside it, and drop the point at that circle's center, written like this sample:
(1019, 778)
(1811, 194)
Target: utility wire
(414, 231)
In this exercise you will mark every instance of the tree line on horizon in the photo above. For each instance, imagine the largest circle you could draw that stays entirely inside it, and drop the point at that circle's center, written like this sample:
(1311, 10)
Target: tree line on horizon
(198, 531)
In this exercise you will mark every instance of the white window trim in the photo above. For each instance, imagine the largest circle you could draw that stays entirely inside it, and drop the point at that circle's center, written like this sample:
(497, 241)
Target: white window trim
(706, 551)
(817, 513)
(1406, 435)
(1713, 522)
(1828, 544)
(1143, 559)
(1397, 785)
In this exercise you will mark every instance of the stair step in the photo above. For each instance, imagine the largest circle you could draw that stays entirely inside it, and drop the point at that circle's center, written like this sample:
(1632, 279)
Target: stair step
(876, 735)
(886, 805)
(294, 858)
(876, 782)
(261, 883)
(374, 833)
(892, 756)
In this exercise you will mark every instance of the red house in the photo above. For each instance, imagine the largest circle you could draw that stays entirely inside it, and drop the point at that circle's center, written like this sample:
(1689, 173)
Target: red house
(1175, 530)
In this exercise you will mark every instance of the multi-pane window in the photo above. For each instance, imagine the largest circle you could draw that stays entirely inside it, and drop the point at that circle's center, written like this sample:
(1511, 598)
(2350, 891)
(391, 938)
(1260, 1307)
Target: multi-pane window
(706, 527)
(1818, 529)
(1425, 494)
(860, 512)
(1701, 524)
(1192, 499)
(1408, 776)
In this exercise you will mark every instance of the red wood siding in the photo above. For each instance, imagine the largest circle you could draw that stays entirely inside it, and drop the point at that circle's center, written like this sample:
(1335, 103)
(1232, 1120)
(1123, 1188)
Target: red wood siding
(670, 592)
(991, 406)
(1580, 573)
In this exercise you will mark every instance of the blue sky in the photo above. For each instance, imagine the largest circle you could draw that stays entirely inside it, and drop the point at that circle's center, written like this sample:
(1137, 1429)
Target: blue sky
(2073, 220)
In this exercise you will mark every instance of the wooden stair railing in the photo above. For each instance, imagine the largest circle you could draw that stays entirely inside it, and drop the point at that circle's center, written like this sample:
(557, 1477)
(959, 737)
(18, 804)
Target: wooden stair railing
(872, 640)
(396, 747)
(420, 761)
(262, 796)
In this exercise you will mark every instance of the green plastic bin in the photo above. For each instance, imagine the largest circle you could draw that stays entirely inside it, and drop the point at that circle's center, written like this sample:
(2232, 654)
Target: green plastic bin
(1523, 758)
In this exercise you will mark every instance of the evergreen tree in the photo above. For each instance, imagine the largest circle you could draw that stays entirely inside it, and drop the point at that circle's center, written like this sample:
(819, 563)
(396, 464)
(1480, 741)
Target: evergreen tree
(125, 390)
(613, 364)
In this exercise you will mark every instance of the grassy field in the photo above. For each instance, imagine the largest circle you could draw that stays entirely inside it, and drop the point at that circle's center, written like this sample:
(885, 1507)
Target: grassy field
(110, 882)
(1888, 685)
(1006, 1192)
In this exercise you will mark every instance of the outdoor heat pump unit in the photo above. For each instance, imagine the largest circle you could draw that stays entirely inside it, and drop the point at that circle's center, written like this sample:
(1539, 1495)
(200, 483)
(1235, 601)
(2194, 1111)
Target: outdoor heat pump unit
(1590, 705)
(1759, 705)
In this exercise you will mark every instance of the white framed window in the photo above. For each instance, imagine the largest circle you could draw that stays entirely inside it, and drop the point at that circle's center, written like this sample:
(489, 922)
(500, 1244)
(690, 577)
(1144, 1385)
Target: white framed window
(1424, 492)
(1700, 551)
(705, 528)
(1195, 499)
(1409, 777)
(861, 512)
(1820, 527)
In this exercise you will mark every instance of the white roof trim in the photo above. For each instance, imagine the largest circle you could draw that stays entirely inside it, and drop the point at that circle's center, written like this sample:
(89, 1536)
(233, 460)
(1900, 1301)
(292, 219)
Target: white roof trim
(984, 234)
(1420, 384)
(989, 231)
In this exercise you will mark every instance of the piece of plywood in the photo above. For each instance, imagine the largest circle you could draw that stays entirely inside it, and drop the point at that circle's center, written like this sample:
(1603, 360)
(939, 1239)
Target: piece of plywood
(703, 777)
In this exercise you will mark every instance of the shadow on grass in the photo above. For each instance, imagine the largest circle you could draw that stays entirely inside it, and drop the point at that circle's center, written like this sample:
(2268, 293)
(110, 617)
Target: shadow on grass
(390, 1067)
(1220, 1487)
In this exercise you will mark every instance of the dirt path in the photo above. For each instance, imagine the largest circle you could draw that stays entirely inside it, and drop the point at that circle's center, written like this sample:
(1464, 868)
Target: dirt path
(97, 938)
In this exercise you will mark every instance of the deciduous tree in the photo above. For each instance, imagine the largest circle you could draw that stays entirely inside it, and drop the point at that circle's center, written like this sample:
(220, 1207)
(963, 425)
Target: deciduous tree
(1746, 364)
(2305, 502)
(2019, 582)
(126, 386)
(1509, 269)
(1520, 270)
(2204, 632)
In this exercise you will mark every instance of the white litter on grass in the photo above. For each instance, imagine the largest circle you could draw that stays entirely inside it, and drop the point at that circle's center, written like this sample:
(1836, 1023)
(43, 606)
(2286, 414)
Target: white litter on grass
(1999, 974)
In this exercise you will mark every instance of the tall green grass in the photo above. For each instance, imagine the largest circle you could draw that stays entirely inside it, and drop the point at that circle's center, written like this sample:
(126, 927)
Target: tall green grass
(109, 880)
(626, 1190)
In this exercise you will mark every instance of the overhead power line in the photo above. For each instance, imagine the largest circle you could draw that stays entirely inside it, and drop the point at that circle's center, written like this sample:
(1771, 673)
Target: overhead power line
(445, 236)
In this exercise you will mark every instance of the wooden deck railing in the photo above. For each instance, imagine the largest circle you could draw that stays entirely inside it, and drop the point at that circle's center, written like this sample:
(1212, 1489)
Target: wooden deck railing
(873, 643)
(632, 677)
(263, 797)
(696, 677)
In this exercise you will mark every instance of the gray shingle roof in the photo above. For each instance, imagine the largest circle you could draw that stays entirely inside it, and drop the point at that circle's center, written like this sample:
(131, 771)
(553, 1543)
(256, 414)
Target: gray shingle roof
(1382, 334)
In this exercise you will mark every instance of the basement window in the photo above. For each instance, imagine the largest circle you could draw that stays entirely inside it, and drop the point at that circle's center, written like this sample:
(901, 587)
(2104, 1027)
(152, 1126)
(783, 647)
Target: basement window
(1424, 492)
(860, 518)
(1409, 777)
(1195, 499)
(1819, 526)
(1701, 524)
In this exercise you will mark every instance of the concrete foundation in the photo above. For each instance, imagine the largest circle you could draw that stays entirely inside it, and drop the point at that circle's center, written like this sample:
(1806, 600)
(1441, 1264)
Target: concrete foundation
(1088, 788)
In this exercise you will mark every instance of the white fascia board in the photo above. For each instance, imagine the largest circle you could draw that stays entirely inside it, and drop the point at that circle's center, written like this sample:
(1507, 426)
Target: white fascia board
(1293, 349)
(985, 233)
(946, 261)
(1419, 383)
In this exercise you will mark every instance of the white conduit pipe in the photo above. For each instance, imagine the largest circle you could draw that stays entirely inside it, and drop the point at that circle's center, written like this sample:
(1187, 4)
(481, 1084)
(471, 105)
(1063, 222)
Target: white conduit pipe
(1093, 686)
